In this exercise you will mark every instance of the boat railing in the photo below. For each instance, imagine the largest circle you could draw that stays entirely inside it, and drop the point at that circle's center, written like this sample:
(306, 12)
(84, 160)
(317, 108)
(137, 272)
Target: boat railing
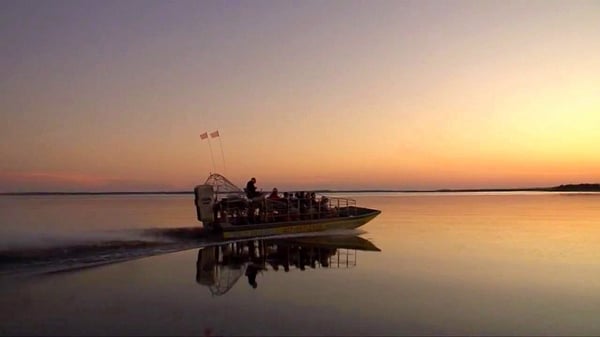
(241, 211)
(308, 208)
(343, 258)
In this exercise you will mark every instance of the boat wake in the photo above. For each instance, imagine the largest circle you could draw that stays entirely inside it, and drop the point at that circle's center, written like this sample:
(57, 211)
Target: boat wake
(94, 250)
(102, 249)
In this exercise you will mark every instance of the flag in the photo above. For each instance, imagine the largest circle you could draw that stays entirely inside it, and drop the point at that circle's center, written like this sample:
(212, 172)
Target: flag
(214, 134)
(203, 135)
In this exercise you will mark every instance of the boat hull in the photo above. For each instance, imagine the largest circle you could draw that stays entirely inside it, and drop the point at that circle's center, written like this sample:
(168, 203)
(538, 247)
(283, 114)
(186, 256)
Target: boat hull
(303, 226)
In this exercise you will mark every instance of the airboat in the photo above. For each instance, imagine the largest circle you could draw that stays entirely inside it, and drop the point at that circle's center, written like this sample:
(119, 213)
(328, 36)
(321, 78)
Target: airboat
(227, 210)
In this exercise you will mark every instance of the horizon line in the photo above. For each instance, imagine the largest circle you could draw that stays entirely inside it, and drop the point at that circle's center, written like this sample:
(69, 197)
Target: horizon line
(560, 188)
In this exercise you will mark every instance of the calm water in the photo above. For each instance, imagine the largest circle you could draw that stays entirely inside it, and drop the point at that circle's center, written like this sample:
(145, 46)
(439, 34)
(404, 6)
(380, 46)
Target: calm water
(467, 264)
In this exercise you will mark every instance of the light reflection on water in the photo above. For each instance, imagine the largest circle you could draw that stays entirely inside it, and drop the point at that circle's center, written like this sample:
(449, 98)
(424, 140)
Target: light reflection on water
(517, 264)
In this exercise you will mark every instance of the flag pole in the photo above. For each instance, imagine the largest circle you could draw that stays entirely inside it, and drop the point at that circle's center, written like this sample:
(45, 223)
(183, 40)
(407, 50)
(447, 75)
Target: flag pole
(212, 158)
(215, 134)
(204, 136)
(222, 155)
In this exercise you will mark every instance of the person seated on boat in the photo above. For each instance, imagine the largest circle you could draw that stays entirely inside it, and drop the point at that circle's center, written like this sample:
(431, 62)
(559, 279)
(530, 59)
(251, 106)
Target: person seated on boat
(277, 207)
(289, 206)
(303, 202)
(251, 191)
(274, 195)
(291, 200)
(312, 199)
(313, 205)
(287, 199)
(324, 205)
(299, 197)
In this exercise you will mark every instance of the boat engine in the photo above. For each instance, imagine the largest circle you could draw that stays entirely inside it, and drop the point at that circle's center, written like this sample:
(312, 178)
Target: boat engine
(204, 203)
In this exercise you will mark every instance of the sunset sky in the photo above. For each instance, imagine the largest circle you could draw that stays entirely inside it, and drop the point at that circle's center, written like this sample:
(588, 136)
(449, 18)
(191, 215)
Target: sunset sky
(113, 95)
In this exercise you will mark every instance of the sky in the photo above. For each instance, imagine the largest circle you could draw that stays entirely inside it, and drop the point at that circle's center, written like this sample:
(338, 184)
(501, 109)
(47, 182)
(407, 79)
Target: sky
(113, 95)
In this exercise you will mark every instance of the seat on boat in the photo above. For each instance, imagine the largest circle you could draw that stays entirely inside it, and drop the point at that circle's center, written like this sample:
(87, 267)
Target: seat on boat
(230, 209)
(276, 210)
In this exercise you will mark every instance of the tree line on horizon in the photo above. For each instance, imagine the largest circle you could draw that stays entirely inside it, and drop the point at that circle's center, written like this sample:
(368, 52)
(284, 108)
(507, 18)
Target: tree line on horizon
(577, 187)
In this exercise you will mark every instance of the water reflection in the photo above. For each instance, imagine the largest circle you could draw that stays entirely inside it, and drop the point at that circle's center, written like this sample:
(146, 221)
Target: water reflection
(220, 267)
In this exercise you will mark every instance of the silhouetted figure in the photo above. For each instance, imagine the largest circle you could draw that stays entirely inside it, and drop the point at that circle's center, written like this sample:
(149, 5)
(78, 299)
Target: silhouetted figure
(251, 272)
(274, 195)
(251, 191)
(256, 201)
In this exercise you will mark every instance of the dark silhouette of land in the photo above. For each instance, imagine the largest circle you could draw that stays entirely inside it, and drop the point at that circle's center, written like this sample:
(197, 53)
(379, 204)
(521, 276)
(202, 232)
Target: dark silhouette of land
(577, 188)
(560, 188)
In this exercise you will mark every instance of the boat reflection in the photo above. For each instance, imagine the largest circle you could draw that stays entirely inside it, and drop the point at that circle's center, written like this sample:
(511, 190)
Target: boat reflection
(219, 267)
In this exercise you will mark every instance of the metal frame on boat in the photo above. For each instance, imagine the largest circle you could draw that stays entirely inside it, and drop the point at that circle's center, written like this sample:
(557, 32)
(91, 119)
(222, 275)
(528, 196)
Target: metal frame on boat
(222, 206)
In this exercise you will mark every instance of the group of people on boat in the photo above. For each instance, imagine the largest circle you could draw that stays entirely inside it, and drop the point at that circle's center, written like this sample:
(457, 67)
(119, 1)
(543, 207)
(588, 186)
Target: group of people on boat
(261, 207)
(289, 206)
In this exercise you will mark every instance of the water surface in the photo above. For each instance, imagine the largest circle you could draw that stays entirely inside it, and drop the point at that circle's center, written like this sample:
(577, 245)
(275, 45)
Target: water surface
(467, 264)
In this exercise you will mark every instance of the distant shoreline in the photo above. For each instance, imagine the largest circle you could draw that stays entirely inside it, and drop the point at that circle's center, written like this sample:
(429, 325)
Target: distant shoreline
(561, 188)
